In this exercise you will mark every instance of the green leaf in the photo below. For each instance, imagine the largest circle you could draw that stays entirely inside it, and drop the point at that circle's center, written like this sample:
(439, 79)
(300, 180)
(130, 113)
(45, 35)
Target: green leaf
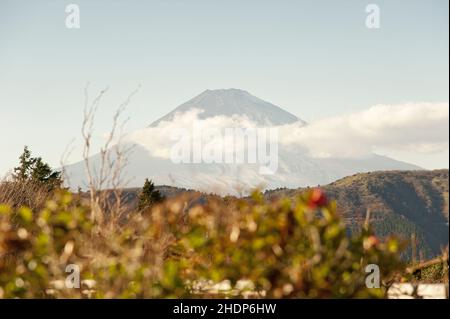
(26, 214)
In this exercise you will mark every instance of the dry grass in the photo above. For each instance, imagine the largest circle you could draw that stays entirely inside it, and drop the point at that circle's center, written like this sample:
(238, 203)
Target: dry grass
(18, 194)
(113, 159)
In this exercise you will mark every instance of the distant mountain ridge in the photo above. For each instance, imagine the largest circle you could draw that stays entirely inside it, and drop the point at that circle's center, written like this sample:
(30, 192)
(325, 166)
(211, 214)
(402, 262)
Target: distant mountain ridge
(400, 203)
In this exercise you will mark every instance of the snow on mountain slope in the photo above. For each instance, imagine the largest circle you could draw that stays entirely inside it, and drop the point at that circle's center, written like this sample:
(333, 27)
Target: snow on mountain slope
(229, 102)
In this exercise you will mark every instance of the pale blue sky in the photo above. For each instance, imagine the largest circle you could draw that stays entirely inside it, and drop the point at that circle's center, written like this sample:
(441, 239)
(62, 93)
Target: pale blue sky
(313, 58)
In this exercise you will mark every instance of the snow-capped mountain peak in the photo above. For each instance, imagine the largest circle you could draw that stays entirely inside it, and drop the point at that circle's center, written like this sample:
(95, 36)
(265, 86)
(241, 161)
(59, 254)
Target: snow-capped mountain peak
(229, 102)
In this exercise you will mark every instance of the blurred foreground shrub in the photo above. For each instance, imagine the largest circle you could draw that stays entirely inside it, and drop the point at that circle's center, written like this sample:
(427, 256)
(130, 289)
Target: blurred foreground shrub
(284, 249)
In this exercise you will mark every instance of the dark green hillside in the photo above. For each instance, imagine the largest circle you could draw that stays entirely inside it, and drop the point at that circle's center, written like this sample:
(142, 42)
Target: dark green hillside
(400, 202)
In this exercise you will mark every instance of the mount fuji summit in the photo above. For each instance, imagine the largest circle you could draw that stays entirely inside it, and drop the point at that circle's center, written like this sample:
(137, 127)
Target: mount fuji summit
(229, 102)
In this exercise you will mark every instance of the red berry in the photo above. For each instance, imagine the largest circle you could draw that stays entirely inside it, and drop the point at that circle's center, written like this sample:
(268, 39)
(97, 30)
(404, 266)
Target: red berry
(317, 199)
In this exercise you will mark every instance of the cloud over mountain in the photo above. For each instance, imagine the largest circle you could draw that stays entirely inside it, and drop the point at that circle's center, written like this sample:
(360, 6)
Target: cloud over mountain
(417, 127)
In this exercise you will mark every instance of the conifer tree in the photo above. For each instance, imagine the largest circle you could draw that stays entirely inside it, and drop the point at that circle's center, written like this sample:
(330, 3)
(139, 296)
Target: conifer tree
(22, 172)
(149, 195)
(34, 169)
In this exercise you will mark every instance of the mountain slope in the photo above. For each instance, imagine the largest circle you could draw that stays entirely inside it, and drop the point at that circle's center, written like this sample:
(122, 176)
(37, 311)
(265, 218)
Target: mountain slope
(400, 202)
(295, 167)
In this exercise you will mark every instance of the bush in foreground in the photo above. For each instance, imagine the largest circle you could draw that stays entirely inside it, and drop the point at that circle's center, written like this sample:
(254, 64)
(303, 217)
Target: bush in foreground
(284, 249)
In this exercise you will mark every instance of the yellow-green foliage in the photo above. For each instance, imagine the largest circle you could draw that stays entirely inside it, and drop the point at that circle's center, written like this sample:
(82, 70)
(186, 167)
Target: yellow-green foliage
(287, 249)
